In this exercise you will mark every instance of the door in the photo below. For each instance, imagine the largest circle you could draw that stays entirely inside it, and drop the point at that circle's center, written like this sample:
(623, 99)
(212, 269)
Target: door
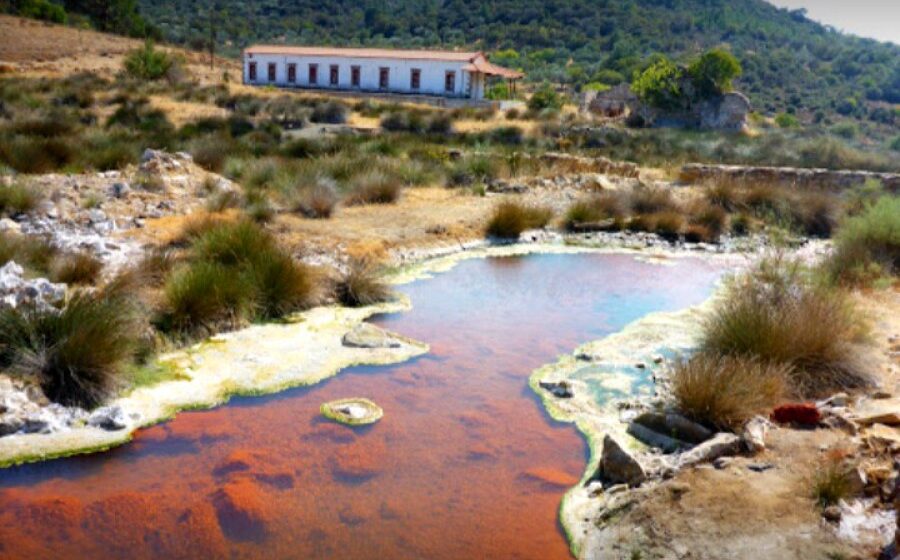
(384, 77)
(354, 76)
(450, 81)
(333, 75)
(271, 71)
(251, 72)
(292, 73)
(313, 74)
(415, 78)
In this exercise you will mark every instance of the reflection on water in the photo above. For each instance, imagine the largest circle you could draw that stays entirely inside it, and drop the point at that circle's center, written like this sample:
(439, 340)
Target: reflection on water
(464, 464)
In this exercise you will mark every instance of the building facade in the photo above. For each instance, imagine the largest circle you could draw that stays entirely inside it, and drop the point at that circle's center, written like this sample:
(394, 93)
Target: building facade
(450, 74)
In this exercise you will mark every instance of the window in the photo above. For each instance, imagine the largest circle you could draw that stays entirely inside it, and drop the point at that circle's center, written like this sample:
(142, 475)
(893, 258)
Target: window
(354, 76)
(251, 72)
(450, 81)
(333, 75)
(292, 73)
(271, 71)
(384, 77)
(415, 78)
(313, 74)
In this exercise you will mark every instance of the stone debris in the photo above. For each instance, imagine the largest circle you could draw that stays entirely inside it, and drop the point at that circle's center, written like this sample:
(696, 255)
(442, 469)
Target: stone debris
(754, 434)
(721, 445)
(16, 291)
(675, 426)
(559, 389)
(110, 418)
(25, 410)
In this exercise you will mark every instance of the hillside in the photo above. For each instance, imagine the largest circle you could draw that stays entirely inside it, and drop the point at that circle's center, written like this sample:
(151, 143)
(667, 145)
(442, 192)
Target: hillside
(790, 62)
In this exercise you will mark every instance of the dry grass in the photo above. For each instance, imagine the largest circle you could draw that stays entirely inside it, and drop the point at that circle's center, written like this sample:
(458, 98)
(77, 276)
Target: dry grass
(76, 268)
(777, 314)
(510, 219)
(362, 284)
(831, 480)
(725, 392)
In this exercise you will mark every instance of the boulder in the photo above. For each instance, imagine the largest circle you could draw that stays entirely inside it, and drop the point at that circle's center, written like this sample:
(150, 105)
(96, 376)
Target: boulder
(367, 335)
(109, 418)
(16, 290)
(722, 444)
(728, 112)
(655, 439)
(617, 466)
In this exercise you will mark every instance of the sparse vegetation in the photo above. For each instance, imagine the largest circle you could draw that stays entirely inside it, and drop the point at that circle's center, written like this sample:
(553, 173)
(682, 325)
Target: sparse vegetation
(17, 199)
(831, 480)
(76, 268)
(868, 245)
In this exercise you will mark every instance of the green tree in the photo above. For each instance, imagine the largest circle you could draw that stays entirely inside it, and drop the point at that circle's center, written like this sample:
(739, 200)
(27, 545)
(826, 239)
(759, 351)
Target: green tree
(713, 73)
(545, 98)
(148, 63)
(660, 85)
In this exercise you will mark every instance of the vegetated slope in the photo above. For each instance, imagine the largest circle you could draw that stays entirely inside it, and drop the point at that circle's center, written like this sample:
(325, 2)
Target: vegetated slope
(790, 62)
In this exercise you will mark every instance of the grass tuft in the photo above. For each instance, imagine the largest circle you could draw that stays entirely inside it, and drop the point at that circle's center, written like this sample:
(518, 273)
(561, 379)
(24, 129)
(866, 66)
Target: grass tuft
(362, 284)
(510, 219)
(76, 268)
(725, 392)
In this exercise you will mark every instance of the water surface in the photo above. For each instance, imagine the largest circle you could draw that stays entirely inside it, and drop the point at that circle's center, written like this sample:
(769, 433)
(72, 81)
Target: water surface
(464, 464)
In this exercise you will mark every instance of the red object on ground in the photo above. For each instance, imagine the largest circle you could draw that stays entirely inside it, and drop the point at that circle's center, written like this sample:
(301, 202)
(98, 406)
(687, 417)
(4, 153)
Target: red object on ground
(797, 413)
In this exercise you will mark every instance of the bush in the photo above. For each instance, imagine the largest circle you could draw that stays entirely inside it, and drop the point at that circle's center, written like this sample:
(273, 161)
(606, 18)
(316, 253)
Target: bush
(79, 353)
(711, 219)
(545, 98)
(331, 112)
(203, 297)
(36, 254)
(76, 268)
(362, 284)
(723, 194)
(668, 225)
(815, 213)
(510, 219)
(648, 200)
(868, 245)
(713, 72)
(280, 285)
(582, 212)
(776, 314)
(17, 199)
(148, 63)
(725, 392)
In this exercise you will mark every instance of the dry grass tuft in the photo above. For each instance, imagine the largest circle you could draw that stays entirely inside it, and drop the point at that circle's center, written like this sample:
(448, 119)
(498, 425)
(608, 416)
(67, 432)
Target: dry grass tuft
(725, 392)
(76, 268)
(362, 284)
(510, 219)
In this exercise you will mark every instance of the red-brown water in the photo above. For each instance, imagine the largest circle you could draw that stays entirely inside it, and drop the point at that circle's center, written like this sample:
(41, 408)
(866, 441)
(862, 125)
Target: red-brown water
(464, 464)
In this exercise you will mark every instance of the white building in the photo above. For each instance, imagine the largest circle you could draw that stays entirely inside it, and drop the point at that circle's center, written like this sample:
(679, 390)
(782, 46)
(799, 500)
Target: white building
(420, 72)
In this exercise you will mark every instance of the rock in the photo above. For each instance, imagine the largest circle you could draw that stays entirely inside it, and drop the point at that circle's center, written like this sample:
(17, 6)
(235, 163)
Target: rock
(754, 434)
(109, 418)
(674, 426)
(838, 400)
(96, 216)
(367, 335)
(882, 437)
(728, 112)
(832, 514)
(16, 291)
(886, 417)
(804, 414)
(10, 425)
(721, 445)
(617, 466)
(559, 389)
(760, 467)
(353, 411)
(640, 365)
(723, 462)
(7, 225)
(655, 439)
(119, 190)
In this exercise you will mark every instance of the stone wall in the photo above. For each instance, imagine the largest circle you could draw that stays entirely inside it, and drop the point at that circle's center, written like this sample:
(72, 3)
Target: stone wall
(827, 178)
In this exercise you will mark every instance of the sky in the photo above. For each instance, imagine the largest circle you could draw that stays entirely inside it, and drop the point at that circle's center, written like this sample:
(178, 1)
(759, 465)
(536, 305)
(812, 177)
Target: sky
(878, 19)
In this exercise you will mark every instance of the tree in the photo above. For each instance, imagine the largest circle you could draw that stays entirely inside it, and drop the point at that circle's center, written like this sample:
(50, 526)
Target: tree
(660, 85)
(712, 74)
(148, 63)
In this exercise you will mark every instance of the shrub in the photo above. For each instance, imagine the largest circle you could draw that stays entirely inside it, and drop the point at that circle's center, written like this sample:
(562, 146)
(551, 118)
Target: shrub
(78, 353)
(723, 194)
(786, 120)
(713, 72)
(362, 284)
(641, 223)
(76, 268)
(868, 245)
(17, 199)
(660, 85)
(725, 392)
(668, 225)
(331, 112)
(374, 187)
(156, 265)
(441, 123)
(34, 253)
(815, 213)
(545, 98)
(741, 224)
(232, 243)
(211, 152)
(224, 200)
(510, 219)
(203, 297)
(580, 212)
(775, 313)
(318, 201)
(148, 63)
(280, 285)
(647, 200)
